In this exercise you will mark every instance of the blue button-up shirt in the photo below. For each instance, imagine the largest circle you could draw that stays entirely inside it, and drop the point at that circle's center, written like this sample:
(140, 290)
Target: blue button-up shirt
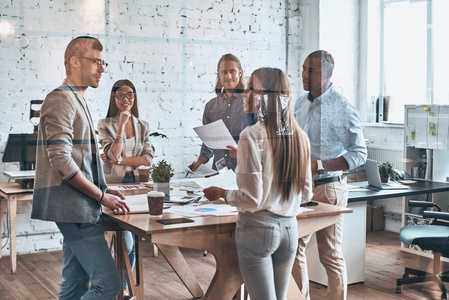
(334, 129)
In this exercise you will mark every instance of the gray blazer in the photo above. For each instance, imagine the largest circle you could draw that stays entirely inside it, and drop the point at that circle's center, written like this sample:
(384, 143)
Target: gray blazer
(107, 130)
(66, 144)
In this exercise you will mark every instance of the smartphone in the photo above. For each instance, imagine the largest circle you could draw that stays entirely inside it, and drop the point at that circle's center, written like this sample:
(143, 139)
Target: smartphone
(174, 221)
(311, 203)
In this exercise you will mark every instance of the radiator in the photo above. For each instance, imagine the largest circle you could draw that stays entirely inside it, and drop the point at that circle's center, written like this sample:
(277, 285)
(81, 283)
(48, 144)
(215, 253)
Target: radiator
(383, 154)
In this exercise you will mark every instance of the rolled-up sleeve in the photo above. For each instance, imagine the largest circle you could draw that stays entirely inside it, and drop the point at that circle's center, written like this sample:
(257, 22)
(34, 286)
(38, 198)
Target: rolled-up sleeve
(351, 136)
(58, 118)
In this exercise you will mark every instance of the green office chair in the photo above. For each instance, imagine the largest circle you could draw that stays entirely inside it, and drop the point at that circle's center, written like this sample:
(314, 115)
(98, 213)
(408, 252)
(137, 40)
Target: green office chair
(435, 237)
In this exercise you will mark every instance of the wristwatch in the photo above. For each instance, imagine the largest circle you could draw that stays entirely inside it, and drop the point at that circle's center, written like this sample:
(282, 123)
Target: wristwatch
(320, 169)
(119, 160)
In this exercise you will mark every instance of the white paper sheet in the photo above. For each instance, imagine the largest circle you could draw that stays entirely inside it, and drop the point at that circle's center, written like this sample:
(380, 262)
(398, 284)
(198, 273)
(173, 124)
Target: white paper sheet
(226, 180)
(137, 204)
(215, 135)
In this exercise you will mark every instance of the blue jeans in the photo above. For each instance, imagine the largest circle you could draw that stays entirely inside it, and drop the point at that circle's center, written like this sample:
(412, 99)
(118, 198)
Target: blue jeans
(129, 237)
(86, 257)
(266, 247)
(130, 247)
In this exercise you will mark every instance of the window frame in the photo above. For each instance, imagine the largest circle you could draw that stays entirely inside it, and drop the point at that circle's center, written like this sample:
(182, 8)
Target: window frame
(430, 55)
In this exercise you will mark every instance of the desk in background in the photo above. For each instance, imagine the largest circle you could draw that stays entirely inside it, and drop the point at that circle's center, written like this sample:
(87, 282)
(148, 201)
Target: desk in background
(354, 231)
(214, 234)
(12, 192)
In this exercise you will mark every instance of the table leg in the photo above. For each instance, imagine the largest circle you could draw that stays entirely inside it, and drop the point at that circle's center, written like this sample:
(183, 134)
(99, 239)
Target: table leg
(182, 269)
(139, 291)
(123, 264)
(227, 278)
(12, 212)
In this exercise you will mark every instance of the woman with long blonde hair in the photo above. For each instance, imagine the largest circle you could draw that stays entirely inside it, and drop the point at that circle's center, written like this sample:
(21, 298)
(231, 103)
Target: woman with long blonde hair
(274, 178)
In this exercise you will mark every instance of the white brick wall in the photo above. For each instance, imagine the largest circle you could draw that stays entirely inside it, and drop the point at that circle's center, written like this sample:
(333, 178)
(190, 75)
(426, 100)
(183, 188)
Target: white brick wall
(168, 50)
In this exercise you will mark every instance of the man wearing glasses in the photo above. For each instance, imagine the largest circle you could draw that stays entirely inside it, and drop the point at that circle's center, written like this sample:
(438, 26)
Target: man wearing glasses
(70, 186)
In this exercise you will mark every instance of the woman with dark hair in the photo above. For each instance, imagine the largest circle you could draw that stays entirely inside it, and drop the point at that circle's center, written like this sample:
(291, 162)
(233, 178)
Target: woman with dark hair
(125, 138)
(274, 178)
(126, 145)
(227, 106)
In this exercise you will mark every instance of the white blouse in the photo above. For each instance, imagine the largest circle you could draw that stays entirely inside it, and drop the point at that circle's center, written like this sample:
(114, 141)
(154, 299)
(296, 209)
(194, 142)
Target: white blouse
(129, 150)
(254, 173)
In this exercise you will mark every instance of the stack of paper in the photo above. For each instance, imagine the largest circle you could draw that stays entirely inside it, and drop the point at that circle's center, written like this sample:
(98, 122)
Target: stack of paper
(138, 204)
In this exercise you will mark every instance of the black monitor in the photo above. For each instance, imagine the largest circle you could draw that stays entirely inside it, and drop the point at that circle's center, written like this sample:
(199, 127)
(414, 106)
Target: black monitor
(21, 147)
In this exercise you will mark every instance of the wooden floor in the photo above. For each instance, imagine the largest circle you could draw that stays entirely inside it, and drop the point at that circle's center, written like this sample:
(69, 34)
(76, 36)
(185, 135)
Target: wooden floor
(38, 275)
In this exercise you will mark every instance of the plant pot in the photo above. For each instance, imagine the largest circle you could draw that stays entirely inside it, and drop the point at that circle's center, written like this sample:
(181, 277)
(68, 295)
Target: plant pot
(384, 180)
(162, 187)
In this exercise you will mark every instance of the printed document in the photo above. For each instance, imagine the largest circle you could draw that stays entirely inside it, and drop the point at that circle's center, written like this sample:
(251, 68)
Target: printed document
(225, 180)
(215, 135)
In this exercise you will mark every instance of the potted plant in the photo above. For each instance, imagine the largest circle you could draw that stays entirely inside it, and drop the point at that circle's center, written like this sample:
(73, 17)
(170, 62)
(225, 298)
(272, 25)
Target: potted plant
(161, 174)
(387, 171)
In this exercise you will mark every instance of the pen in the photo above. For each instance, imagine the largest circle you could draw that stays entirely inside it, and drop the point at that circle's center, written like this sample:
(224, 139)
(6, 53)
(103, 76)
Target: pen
(187, 173)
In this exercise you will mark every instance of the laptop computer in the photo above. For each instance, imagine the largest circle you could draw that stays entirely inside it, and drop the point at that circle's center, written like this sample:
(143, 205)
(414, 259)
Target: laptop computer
(373, 177)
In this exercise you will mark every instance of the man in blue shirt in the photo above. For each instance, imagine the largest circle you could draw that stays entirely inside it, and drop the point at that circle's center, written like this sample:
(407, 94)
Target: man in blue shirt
(336, 142)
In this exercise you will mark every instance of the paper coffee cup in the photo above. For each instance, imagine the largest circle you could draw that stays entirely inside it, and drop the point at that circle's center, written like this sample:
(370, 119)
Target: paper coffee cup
(155, 203)
(144, 173)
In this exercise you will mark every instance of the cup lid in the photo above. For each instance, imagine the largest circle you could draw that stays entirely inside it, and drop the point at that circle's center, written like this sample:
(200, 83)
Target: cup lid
(156, 194)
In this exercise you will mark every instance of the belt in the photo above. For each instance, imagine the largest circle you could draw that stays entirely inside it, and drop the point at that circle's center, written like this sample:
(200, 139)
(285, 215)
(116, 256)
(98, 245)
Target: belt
(328, 180)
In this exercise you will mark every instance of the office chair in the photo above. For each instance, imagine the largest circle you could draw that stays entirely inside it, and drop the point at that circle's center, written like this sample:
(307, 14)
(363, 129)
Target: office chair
(435, 237)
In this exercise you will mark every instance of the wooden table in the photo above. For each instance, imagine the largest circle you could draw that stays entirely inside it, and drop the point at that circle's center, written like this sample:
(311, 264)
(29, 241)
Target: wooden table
(12, 192)
(214, 234)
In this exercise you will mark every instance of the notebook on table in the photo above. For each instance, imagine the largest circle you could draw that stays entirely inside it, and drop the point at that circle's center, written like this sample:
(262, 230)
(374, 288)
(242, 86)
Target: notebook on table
(373, 177)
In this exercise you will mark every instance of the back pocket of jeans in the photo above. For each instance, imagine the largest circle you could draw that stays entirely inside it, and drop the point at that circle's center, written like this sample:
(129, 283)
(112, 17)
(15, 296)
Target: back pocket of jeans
(257, 240)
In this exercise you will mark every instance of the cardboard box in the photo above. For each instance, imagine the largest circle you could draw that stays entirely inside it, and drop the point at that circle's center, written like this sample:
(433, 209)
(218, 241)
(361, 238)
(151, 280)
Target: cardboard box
(374, 218)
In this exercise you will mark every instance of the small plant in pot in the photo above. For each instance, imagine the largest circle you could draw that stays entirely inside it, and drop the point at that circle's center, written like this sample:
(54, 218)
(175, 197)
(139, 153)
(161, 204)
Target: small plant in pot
(387, 171)
(161, 174)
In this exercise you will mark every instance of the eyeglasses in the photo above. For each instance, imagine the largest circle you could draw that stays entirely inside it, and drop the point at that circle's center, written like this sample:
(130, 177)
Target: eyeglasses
(129, 96)
(99, 62)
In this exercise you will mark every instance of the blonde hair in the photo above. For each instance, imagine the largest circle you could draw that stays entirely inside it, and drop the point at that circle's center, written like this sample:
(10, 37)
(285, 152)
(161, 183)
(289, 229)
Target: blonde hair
(288, 142)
